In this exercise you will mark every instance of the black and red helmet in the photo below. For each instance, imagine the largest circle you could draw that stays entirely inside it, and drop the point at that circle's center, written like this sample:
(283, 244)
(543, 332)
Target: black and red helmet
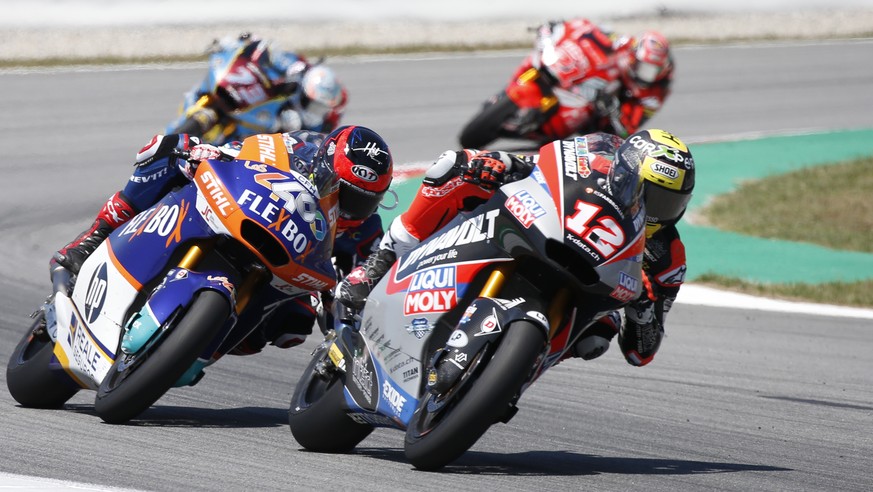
(364, 168)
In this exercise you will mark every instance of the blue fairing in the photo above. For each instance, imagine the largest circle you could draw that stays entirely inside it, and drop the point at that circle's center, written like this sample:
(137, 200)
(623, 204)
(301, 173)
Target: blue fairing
(395, 407)
(176, 291)
(305, 233)
(143, 245)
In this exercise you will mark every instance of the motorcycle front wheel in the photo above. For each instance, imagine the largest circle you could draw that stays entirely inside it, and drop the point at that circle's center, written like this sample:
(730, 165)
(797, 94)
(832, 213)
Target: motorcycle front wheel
(138, 380)
(316, 417)
(445, 427)
(485, 127)
(30, 380)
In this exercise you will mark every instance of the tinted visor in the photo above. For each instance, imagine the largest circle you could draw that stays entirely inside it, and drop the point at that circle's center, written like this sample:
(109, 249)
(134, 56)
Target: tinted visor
(663, 205)
(623, 183)
(357, 203)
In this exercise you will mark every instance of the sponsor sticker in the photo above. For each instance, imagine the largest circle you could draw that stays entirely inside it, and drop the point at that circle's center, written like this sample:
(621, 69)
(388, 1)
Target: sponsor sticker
(431, 291)
(524, 207)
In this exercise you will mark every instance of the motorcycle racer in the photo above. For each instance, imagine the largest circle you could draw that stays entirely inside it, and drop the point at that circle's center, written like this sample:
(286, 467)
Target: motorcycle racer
(628, 78)
(315, 97)
(461, 180)
(336, 161)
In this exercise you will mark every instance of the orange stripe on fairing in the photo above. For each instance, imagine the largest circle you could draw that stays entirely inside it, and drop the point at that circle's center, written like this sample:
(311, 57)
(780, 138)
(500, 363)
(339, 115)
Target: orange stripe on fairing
(269, 149)
(211, 187)
(553, 175)
(65, 364)
(176, 235)
(120, 268)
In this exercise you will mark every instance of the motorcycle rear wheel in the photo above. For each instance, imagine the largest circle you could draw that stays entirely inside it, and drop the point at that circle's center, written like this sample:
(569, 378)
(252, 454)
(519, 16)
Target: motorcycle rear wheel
(485, 127)
(28, 377)
(315, 416)
(435, 438)
(136, 382)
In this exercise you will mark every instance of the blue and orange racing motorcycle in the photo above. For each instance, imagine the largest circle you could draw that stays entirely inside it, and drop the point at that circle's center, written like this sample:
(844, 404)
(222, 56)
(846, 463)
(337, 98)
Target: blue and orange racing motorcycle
(180, 285)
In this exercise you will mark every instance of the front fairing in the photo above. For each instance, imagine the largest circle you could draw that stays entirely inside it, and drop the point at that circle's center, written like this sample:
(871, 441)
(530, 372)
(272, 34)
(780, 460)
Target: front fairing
(607, 235)
(145, 243)
(276, 212)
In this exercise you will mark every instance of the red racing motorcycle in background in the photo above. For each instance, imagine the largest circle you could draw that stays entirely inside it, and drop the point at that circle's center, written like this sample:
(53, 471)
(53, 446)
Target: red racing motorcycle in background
(557, 91)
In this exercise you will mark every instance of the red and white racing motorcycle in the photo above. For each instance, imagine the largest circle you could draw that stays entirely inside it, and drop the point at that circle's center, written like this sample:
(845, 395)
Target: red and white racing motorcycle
(465, 322)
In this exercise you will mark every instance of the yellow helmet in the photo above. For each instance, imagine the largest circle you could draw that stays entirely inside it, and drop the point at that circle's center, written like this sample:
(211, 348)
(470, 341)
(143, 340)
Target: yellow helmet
(667, 168)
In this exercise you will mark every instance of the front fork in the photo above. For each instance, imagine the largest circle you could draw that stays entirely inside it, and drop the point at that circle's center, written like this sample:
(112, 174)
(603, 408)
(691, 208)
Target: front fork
(556, 309)
(246, 288)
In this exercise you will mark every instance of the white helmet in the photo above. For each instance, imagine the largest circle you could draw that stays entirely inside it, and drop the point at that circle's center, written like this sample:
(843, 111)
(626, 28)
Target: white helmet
(652, 59)
(321, 87)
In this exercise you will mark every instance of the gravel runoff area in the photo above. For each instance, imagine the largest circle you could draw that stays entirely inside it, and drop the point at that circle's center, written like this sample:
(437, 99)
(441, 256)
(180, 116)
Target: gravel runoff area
(19, 44)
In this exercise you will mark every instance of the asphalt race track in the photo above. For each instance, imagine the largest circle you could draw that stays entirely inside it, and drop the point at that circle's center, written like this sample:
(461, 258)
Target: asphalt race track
(736, 399)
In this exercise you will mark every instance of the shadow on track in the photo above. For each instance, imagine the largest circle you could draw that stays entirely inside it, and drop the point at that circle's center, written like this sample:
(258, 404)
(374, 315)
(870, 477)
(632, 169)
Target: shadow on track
(566, 463)
(215, 418)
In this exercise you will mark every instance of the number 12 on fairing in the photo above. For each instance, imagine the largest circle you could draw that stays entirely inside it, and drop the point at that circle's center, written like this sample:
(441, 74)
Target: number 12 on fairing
(605, 236)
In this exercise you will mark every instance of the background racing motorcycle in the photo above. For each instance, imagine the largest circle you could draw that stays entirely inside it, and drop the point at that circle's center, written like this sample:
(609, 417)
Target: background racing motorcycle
(243, 93)
(555, 93)
(179, 285)
(465, 322)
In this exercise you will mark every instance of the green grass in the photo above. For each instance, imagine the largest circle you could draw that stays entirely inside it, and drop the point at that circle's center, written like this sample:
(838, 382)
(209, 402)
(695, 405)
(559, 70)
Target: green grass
(854, 294)
(829, 205)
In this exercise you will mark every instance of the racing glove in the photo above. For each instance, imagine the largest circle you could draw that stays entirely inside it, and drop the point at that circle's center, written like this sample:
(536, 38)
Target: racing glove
(163, 146)
(203, 152)
(492, 169)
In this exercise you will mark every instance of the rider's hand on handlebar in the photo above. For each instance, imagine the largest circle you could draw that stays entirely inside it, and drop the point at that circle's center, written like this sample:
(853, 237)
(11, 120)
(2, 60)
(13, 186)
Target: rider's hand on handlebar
(487, 169)
(203, 152)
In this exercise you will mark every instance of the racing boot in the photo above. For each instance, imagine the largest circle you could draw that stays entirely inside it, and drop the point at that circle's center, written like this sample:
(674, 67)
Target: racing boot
(352, 291)
(114, 213)
(595, 340)
(641, 336)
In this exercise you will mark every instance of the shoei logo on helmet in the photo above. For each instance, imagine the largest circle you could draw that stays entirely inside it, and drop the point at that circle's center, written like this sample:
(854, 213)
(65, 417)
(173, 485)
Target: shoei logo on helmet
(667, 170)
(670, 177)
(365, 173)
